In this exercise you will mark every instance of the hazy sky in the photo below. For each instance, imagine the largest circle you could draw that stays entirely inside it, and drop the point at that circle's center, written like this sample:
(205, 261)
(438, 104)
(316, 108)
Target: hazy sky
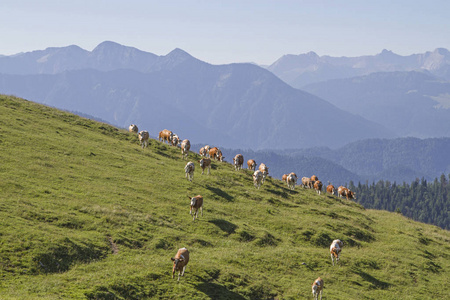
(218, 32)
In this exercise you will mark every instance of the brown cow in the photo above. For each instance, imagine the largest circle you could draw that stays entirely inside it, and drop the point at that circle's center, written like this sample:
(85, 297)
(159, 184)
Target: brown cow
(284, 177)
(314, 178)
(291, 180)
(264, 170)
(203, 152)
(306, 182)
(335, 250)
(318, 186)
(251, 163)
(216, 154)
(133, 128)
(143, 138)
(185, 146)
(175, 140)
(189, 170)
(238, 161)
(317, 288)
(196, 204)
(166, 135)
(330, 189)
(345, 192)
(180, 262)
(205, 163)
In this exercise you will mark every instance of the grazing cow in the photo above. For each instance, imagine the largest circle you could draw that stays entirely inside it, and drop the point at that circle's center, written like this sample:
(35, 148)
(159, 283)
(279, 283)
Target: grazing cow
(291, 181)
(205, 163)
(133, 128)
(143, 138)
(216, 154)
(330, 189)
(185, 146)
(238, 161)
(345, 192)
(203, 152)
(306, 182)
(264, 170)
(251, 163)
(189, 170)
(314, 178)
(166, 135)
(284, 178)
(180, 262)
(318, 186)
(175, 140)
(257, 178)
(196, 204)
(317, 288)
(335, 250)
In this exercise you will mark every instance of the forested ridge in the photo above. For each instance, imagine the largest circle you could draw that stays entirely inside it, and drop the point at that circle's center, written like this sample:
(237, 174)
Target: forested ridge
(421, 200)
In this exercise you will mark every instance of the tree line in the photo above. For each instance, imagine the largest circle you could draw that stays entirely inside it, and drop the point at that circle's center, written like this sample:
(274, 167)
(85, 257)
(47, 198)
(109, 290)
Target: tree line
(422, 201)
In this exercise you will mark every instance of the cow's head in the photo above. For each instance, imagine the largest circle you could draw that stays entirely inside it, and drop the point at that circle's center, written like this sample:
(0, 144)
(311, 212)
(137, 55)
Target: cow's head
(193, 201)
(176, 261)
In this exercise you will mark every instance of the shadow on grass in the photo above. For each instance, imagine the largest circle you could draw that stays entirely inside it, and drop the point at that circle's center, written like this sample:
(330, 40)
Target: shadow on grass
(216, 291)
(377, 284)
(220, 193)
(226, 226)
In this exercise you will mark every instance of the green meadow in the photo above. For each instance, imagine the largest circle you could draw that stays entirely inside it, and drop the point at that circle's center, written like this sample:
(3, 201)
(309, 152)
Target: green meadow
(86, 213)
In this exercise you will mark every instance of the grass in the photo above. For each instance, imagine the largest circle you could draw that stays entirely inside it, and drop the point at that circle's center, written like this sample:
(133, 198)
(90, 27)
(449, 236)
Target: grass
(85, 213)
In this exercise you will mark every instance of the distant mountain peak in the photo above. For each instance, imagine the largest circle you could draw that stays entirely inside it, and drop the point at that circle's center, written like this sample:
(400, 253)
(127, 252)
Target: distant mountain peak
(179, 53)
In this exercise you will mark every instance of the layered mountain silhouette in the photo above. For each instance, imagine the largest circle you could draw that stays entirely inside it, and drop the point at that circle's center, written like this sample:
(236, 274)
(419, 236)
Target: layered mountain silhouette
(235, 105)
(304, 69)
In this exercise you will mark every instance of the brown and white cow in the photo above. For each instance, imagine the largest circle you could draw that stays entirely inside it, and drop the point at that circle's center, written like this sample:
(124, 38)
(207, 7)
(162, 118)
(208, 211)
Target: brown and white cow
(291, 181)
(330, 189)
(314, 178)
(189, 170)
(207, 148)
(284, 178)
(318, 186)
(205, 163)
(143, 138)
(165, 135)
(317, 288)
(335, 250)
(196, 204)
(185, 146)
(257, 178)
(264, 170)
(345, 192)
(251, 163)
(133, 128)
(180, 262)
(306, 182)
(175, 140)
(216, 154)
(238, 161)
(203, 152)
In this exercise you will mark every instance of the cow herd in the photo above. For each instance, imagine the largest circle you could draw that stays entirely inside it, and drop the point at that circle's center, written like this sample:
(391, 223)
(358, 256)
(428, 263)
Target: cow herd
(181, 259)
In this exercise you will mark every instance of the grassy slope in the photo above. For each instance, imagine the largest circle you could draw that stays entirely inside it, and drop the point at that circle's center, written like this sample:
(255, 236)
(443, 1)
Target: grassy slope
(72, 190)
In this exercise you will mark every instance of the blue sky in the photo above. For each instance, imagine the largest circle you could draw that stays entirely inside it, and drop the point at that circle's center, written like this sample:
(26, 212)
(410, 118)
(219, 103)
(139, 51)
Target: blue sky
(219, 32)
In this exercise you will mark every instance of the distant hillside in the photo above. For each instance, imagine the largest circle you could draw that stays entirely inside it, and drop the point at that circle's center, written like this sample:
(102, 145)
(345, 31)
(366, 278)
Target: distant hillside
(301, 70)
(409, 103)
(235, 106)
(86, 213)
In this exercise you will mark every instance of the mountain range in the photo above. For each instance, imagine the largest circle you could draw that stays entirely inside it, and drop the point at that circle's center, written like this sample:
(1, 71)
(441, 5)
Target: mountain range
(303, 69)
(235, 105)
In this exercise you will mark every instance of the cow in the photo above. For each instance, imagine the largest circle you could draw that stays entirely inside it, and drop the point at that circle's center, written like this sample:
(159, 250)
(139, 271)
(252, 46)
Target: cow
(314, 178)
(166, 135)
(175, 140)
(251, 163)
(284, 178)
(133, 128)
(306, 182)
(189, 170)
(318, 186)
(257, 178)
(207, 148)
(291, 181)
(264, 170)
(196, 204)
(330, 189)
(345, 192)
(203, 152)
(180, 262)
(216, 154)
(238, 162)
(335, 250)
(185, 146)
(143, 138)
(317, 288)
(205, 163)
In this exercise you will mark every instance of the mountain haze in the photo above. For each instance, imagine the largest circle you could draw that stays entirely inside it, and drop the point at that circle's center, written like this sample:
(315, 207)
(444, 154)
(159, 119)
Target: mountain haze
(235, 105)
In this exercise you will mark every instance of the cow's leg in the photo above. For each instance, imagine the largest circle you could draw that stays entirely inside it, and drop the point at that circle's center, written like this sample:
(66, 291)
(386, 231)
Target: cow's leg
(184, 268)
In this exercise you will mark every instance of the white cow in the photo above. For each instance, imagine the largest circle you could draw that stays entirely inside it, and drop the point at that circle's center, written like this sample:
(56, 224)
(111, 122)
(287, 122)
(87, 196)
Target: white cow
(143, 138)
(189, 170)
(257, 178)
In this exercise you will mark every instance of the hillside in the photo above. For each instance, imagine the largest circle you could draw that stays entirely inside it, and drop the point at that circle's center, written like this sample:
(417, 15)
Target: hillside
(85, 213)
(235, 105)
